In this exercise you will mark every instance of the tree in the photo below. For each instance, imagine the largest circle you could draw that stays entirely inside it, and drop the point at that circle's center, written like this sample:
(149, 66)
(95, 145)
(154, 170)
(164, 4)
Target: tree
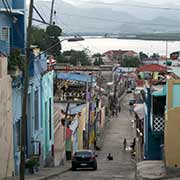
(15, 60)
(47, 38)
(130, 62)
(54, 31)
(98, 59)
(74, 57)
(155, 56)
(142, 56)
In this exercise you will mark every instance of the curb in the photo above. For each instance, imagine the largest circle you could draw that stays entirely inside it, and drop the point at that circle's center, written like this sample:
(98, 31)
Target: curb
(54, 175)
(42, 177)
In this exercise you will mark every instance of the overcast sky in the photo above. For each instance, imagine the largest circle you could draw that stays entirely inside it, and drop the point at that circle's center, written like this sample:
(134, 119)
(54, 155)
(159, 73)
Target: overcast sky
(126, 1)
(131, 1)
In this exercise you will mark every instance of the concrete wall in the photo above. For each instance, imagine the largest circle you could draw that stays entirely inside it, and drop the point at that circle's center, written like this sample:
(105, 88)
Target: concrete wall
(47, 113)
(172, 125)
(81, 127)
(59, 137)
(172, 134)
(16, 109)
(6, 130)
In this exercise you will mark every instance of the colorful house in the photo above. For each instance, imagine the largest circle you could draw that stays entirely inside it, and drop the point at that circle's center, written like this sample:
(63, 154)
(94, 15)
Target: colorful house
(154, 109)
(172, 125)
(39, 129)
(59, 136)
(12, 25)
(76, 89)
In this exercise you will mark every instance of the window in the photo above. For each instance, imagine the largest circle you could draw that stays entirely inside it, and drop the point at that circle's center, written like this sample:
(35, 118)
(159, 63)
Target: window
(5, 35)
(17, 135)
(50, 119)
(36, 110)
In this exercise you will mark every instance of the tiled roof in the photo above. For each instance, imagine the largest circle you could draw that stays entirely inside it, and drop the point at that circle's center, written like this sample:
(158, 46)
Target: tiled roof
(152, 68)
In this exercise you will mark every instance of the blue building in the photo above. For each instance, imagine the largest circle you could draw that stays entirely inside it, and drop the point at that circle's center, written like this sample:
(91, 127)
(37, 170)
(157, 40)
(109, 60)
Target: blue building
(39, 129)
(155, 102)
(12, 25)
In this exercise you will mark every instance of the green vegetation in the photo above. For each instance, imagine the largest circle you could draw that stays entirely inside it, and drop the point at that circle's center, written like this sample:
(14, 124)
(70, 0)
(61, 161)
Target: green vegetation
(98, 59)
(47, 38)
(74, 57)
(31, 164)
(155, 55)
(142, 56)
(15, 60)
(130, 62)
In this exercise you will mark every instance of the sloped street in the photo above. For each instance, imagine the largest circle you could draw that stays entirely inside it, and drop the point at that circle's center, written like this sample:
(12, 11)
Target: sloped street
(122, 167)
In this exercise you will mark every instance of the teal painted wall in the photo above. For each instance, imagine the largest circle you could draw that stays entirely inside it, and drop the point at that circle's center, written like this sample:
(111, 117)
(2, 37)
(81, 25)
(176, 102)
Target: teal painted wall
(47, 121)
(176, 99)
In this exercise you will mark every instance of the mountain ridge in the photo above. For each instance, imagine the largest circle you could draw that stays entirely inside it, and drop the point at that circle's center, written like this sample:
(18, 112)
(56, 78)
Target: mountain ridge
(102, 20)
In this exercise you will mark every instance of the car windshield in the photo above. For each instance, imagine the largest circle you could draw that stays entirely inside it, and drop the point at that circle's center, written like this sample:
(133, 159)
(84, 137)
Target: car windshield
(84, 153)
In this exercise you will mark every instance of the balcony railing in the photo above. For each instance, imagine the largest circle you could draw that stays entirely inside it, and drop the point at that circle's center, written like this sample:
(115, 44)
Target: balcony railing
(158, 123)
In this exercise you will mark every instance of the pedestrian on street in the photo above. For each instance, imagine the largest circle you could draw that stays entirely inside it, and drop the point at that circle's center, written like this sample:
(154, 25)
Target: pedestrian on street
(109, 157)
(124, 143)
(119, 108)
(133, 144)
(116, 111)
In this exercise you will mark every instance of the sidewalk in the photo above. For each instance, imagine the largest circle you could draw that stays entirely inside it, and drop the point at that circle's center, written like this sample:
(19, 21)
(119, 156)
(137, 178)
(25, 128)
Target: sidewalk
(150, 170)
(46, 173)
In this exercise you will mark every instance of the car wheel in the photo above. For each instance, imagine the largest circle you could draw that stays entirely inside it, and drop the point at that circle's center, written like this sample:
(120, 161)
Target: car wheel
(95, 167)
(73, 168)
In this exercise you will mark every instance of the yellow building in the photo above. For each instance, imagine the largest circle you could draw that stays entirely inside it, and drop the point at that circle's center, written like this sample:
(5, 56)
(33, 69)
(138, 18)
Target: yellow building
(81, 127)
(172, 125)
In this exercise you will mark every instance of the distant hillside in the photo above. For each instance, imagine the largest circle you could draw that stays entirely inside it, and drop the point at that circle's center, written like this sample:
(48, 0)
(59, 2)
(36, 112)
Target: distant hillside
(115, 18)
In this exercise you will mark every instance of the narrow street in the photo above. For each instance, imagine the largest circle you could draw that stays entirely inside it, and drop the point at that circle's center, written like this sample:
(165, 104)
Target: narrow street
(122, 167)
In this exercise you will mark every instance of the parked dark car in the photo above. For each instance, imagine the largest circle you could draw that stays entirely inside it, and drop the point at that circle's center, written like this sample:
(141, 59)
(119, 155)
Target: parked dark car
(84, 159)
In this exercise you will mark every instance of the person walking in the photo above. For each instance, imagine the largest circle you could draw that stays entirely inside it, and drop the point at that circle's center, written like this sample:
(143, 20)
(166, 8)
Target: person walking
(119, 108)
(124, 144)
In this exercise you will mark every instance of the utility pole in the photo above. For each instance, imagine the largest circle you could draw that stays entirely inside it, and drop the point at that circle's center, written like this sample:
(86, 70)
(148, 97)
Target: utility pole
(90, 109)
(166, 52)
(25, 91)
(51, 15)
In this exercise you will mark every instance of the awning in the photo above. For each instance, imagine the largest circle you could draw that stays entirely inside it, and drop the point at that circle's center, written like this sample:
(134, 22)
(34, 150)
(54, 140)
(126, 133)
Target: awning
(76, 109)
(76, 77)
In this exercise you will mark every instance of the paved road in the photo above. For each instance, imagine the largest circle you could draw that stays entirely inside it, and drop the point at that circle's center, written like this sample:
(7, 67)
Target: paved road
(122, 167)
